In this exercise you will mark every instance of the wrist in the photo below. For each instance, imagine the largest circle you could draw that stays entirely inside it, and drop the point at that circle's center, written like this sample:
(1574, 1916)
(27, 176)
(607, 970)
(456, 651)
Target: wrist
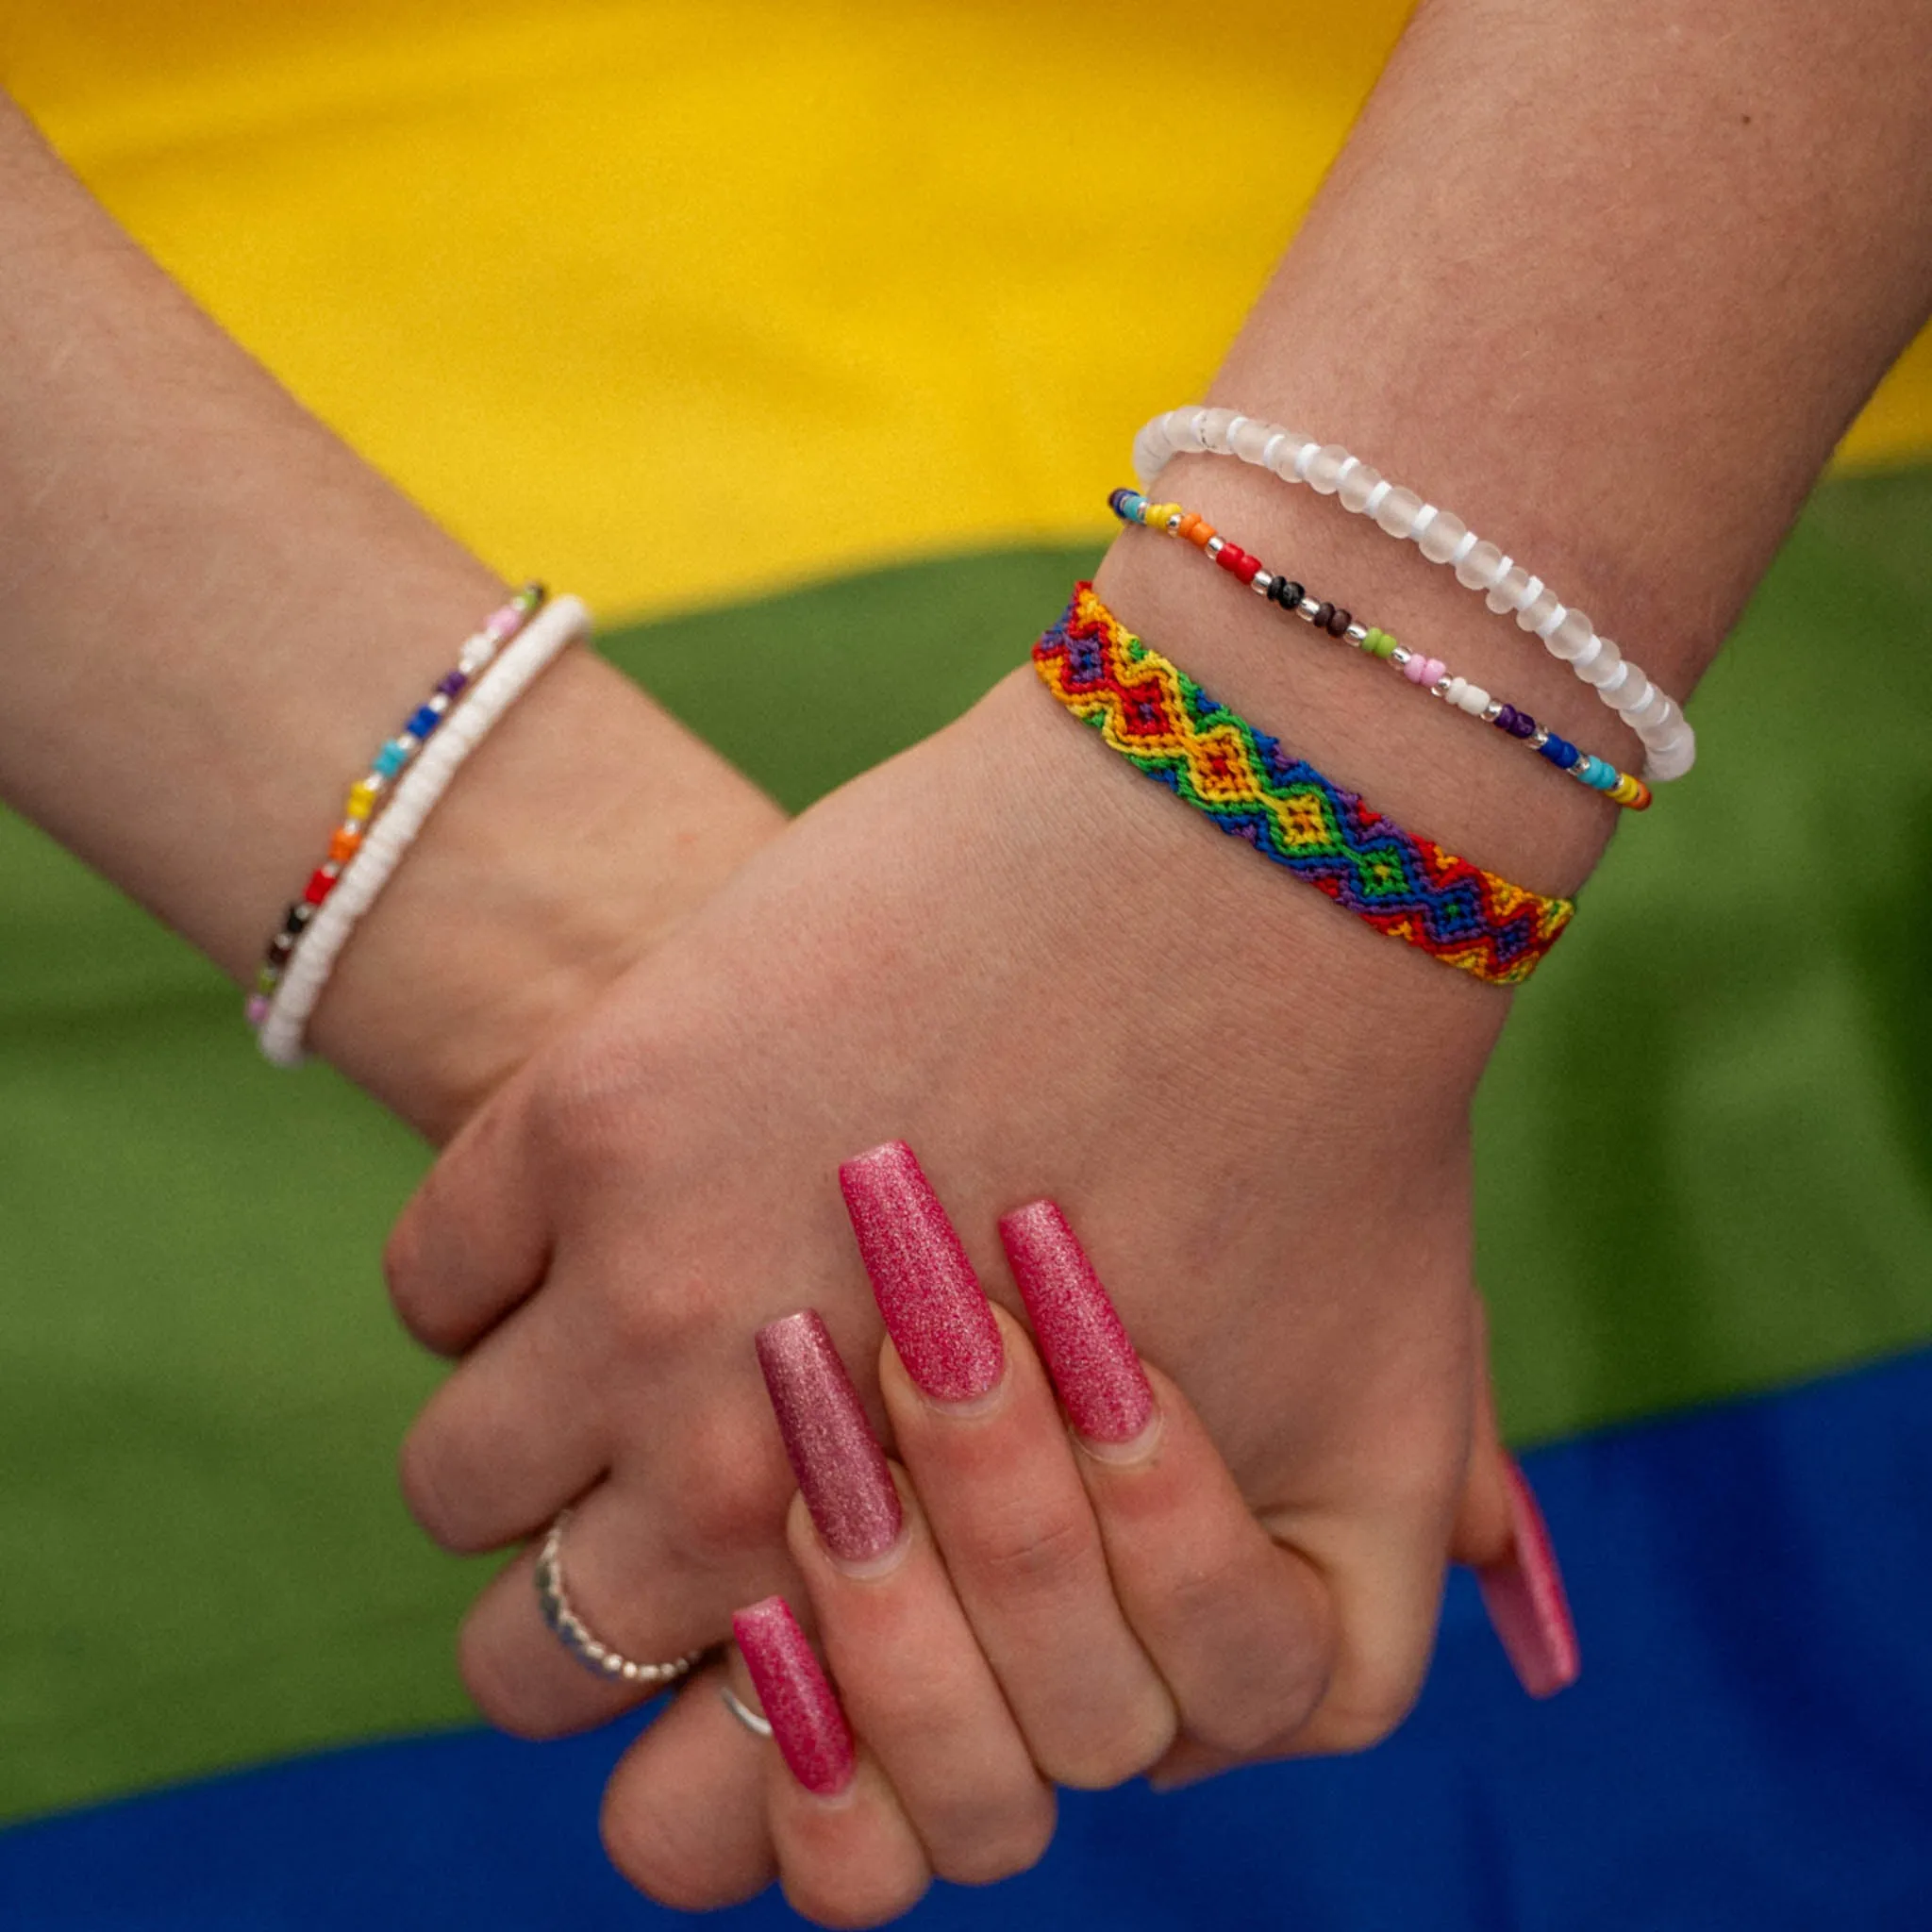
(575, 836)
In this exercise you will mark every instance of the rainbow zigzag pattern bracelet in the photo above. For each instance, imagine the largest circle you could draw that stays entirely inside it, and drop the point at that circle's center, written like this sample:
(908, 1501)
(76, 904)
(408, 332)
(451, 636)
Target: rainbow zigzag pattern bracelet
(1157, 717)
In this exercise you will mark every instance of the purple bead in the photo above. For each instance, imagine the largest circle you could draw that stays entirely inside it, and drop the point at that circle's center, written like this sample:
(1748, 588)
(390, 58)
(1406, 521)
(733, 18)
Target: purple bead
(1521, 723)
(1505, 719)
(453, 683)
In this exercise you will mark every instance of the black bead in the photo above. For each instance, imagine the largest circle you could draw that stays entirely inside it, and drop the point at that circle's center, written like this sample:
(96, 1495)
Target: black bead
(1292, 595)
(1338, 620)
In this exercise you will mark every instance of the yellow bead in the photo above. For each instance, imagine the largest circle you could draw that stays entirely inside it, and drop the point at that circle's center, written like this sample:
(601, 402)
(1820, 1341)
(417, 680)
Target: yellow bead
(361, 799)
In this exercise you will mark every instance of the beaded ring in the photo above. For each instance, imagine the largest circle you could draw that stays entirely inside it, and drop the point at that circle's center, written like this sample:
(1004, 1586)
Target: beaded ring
(562, 621)
(1427, 673)
(1164, 724)
(370, 792)
(1668, 742)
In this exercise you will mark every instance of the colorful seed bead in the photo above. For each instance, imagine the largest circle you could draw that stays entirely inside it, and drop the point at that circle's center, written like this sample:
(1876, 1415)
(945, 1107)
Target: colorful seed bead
(1164, 724)
(367, 796)
(1430, 674)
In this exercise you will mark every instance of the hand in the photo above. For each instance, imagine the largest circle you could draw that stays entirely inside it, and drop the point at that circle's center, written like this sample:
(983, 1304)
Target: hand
(1006, 946)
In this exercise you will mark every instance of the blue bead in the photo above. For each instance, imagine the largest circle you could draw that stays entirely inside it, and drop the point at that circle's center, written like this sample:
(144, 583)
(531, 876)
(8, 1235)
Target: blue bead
(390, 758)
(424, 722)
(1560, 751)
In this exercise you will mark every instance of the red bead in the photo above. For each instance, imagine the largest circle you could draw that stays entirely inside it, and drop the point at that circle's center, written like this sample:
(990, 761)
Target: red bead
(1231, 557)
(1248, 569)
(321, 884)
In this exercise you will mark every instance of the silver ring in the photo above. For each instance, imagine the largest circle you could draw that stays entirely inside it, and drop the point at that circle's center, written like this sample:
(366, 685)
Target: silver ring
(575, 1636)
(758, 1726)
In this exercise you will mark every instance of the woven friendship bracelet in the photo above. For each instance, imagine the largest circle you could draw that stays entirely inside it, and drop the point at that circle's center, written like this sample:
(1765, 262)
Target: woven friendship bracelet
(1426, 674)
(1668, 742)
(1157, 718)
(560, 622)
(370, 792)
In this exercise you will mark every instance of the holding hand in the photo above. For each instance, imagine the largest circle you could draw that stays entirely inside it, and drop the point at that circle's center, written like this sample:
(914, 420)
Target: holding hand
(1069, 1590)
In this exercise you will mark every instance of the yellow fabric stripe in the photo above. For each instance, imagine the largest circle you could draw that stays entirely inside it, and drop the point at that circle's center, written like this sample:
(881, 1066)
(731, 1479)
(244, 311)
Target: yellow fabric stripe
(675, 301)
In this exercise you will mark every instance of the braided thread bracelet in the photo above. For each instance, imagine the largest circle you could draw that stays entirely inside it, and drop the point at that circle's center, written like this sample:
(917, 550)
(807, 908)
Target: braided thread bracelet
(1162, 722)
(1427, 673)
(370, 792)
(1668, 742)
(562, 621)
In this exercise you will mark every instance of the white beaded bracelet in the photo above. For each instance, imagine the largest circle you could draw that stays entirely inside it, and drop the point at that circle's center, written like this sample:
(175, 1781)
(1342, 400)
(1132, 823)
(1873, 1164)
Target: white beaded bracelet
(1669, 744)
(560, 622)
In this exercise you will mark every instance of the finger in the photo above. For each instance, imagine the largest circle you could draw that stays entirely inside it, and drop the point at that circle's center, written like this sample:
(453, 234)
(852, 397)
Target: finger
(508, 1441)
(978, 1426)
(476, 1237)
(999, 1484)
(633, 1593)
(1239, 1627)
(683, 1816)
(920, 1691)
(1485, 1528)
(916, 1681)
(848, 1854)
(1500, 1532)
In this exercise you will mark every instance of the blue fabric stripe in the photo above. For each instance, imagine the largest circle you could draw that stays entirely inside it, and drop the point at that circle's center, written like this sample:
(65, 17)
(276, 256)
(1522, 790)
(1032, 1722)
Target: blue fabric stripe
(1751, 1746)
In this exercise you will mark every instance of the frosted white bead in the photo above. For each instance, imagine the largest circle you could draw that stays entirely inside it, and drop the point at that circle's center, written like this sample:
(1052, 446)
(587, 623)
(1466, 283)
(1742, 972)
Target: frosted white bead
(1634, 700)
(1421, 521)
(1324, 471)
(1546, 627)
(1602, 666)
(1150, 454)
(1375, 497)
(1472, 699)
(1507, 588)
(1571, 637)
(1528, 594)
(1249, 439)
(1591, 651)
(1537, 607)
(1298, 471)
(1439, 542)
(1275, 444)
(1184, 429)
(1465, 544)
(1674, 758)
(1616, 681)
(1398, 511)
(1478, 567)
(1358, 486)
(1214, 428)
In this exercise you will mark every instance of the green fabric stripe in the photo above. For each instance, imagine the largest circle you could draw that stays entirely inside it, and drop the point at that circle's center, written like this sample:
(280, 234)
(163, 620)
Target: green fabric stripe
(1706, 1157)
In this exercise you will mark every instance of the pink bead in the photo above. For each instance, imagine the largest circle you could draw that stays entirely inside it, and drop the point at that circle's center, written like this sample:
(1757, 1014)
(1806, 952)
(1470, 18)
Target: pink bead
(1413, 670)
(1433, 671)
(256, 1009)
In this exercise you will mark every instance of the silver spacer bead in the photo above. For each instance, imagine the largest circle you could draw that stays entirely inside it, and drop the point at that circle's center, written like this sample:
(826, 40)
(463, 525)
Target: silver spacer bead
(1357, 634)
(1441, 687)
(1307, 608)
(1214, 546)
(1400, 656)
(1492, 711)
(1174, 522)
(1260, 582)
(1538, 738)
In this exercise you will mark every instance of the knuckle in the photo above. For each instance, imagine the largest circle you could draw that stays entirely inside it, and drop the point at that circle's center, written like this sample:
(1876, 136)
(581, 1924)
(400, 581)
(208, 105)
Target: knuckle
(1107, 1744)
(670, 1856)
(985, 1849)
(1368, 1710)
(1026, 1555)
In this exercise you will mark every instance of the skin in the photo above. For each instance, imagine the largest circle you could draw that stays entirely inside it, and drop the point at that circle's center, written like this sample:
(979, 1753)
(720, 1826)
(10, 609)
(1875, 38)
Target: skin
(1282, 1209)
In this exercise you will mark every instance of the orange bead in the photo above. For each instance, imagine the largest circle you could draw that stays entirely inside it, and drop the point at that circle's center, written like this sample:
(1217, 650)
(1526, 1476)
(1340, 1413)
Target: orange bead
(1203, 533)
(342, 846)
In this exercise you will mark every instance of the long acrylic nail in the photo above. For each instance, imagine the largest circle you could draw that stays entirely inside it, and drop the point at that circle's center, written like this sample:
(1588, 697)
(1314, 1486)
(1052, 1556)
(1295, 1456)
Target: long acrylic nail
(1524, 1594)
(1094, 1367)
(936, 1312)
(807, 1724)
(837, 1459)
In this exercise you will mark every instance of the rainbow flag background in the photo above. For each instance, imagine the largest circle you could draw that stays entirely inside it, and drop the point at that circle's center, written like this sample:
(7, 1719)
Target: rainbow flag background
(807, 343)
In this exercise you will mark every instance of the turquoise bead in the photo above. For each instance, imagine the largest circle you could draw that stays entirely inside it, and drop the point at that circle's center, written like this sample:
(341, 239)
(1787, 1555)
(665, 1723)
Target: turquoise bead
(390, 758)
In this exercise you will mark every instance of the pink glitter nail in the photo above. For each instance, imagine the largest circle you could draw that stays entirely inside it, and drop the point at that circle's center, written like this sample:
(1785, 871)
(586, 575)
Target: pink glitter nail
(935, 1310)
(837, 1461)
(1094, 1365)
(807, 1725)
(1524, 1597)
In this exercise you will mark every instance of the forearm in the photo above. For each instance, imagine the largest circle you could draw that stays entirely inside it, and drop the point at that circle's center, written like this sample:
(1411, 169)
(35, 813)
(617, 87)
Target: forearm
(1607, 281)
(212, 612)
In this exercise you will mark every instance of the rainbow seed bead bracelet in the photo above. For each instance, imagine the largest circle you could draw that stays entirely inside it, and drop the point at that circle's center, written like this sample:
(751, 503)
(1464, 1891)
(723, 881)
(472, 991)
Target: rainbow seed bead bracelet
(1427, 673)
(370, 792)
(1164, 724)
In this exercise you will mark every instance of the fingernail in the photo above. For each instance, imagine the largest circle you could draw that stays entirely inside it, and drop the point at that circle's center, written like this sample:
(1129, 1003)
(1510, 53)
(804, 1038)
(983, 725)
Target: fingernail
(1094, 1367)
(1523, 1595)
(807, 1725)
(840, 1466)
(936, 1312)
